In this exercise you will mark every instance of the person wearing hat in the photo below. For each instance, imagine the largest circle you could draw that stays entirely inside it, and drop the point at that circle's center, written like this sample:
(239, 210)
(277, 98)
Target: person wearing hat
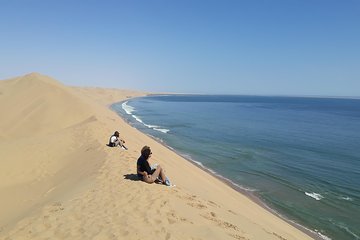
(146, 173)
(115, 140)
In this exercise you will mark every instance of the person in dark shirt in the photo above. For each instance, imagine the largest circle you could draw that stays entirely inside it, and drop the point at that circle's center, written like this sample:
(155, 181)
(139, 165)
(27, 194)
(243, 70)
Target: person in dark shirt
(144, 170)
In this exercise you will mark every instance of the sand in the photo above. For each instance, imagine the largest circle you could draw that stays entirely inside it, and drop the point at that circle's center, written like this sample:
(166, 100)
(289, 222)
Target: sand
(59, 180)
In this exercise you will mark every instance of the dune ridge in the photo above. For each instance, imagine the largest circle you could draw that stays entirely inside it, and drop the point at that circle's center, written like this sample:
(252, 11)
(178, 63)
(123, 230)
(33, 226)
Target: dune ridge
(35, 104)
(59, 180)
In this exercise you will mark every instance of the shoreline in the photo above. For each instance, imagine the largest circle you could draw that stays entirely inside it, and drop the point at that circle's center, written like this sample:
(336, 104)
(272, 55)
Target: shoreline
(60, 187)
(247, 193)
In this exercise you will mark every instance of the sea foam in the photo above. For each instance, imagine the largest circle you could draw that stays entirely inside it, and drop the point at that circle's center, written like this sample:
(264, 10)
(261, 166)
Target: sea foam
(316, 196)
(129, 110)
(138, 119)
(346, 198)
(163, 130)
(322, 236)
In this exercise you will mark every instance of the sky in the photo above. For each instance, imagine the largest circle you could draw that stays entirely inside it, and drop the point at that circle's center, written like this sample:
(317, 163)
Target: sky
(252, 47)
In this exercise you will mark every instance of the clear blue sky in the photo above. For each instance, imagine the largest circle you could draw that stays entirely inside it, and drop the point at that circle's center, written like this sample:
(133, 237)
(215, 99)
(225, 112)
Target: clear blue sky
(291, 47)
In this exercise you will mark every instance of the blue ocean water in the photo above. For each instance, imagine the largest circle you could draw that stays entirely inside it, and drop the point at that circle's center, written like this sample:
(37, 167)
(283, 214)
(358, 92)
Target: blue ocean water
(301, 156)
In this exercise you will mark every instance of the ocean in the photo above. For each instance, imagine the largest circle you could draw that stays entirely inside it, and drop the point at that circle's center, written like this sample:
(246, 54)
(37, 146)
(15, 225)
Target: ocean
(299, 155)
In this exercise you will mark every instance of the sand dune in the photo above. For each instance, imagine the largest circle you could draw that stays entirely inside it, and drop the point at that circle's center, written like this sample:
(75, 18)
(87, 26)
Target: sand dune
(58, 179)
(35, 104)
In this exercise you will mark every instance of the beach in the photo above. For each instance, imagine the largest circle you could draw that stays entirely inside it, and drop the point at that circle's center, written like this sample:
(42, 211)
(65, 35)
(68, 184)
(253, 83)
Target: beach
(59, 180)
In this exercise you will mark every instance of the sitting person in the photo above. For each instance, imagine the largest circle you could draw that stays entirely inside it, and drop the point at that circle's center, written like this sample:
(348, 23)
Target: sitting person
(116, 141)
(144, 170)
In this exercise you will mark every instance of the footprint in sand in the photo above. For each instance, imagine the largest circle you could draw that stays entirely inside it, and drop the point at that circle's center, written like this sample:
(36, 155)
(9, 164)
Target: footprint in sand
(213, 204)
(212, 217)
(173, 218)
(236, 236)
(230, 211)
(168, 235)
(278, 236)
(275, 234)
(197, 205)
(225, 225)
(193, 201)
(55, 207)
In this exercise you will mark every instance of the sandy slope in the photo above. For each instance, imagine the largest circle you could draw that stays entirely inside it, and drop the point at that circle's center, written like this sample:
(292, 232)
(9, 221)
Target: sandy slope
(58, 180)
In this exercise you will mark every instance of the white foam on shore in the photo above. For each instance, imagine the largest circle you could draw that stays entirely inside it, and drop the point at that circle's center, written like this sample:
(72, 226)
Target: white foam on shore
(322, 235)
(129, 110)
(316, 196)
(163, 130)
(151, 126)
(138, 119)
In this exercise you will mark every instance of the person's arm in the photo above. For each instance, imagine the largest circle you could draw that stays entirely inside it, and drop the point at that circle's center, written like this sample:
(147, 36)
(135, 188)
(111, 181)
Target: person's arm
(144, 173)
(148, 168)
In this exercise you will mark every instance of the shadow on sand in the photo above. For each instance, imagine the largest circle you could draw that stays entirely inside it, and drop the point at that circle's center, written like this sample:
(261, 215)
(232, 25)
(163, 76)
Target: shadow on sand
(132, 177)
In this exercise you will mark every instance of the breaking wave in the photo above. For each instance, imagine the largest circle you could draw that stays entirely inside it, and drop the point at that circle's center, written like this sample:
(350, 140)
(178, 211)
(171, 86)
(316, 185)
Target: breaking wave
(316, 196)
(130, 110)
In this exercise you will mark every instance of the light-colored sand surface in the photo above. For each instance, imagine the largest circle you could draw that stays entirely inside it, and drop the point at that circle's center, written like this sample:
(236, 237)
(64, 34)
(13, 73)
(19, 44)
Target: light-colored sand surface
(59, 180)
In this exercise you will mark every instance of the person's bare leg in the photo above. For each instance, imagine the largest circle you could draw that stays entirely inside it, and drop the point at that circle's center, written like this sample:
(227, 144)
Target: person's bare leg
(162, 175)
(148, 179)
(117, 143)
(154, 175)
(158, 172)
